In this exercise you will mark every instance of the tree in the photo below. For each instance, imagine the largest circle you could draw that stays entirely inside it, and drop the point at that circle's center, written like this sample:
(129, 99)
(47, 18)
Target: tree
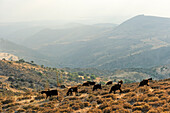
(21, 61)
(57, 79)
(3, 59)
(92, 77)
(81, 73)
(85, 77)
(62, 70)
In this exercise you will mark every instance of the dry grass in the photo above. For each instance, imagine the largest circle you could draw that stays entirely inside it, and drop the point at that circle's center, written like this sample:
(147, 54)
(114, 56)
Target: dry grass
(133, 99)
(8, 100)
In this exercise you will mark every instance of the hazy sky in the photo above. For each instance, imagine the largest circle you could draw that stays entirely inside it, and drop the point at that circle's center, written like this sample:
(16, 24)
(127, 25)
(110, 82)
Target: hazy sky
(92, 11)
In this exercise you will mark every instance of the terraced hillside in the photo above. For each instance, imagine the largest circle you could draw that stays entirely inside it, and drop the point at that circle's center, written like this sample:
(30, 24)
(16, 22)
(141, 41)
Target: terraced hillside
(147, 99)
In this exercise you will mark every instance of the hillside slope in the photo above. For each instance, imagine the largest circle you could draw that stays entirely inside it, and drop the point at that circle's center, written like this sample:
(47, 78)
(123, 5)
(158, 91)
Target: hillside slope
(23, 53)
(48, 37)
(153, 98)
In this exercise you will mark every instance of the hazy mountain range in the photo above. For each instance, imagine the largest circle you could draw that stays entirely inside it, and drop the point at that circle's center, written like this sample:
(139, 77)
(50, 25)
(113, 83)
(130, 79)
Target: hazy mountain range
(142, 41)
(20, 52)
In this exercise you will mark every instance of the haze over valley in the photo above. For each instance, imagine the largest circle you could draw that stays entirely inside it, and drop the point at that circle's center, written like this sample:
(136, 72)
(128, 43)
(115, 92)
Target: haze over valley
(141, 41)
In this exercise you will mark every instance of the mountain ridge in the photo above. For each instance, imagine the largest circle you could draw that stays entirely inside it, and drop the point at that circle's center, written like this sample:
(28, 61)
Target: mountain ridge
(101, 47)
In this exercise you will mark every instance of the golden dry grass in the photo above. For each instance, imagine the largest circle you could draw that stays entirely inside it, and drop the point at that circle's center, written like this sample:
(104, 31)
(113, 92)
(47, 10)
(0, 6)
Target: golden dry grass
(133, 99)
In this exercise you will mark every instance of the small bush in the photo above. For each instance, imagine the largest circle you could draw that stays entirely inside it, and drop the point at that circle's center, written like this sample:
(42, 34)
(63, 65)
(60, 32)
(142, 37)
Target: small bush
(39, 97)
(76, 106)
(168, 92)
(11, 105)
(151, 99)
(73, 98)
(152, 111)
(127, 106)
(95, 111)
(166, 107)
(121, 110)
(107, 110)
(127, 90)
(157, 103)
(7, 101)
(103, 105)
(132, 100)
(159, 92)
(23, 98)
(137, 111)
(116, 107)
(151, 94)
(130, 94)
(21, 110)
(100, 101)
(141, 106)
(67, 110)
(84, 104)
(50, 104)
(104, 92)
(144, 90)
(113, 96)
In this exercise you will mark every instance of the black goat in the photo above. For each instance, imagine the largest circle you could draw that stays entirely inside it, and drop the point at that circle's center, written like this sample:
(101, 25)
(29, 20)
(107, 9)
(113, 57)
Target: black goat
(110, 82)
(50, 93)
(92, 83)
(144, 82)
(88, 83)
(120, 82)
(97, 86)
(72, 89)
(85, 84)
(116, 87)
(149, 78)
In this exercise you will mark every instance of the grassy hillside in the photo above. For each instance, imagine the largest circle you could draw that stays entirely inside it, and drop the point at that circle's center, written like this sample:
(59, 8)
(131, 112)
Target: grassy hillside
(28, 76)
(22, 75)
(50, 37)
(147, 59)
(21, 83)
(150, 99)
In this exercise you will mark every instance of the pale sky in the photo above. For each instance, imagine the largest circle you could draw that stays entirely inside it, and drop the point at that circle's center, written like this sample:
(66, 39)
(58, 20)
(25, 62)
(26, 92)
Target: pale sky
(94, 11)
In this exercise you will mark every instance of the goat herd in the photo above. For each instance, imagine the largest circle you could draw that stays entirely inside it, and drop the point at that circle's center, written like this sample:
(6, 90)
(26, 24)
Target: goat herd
(115, 87)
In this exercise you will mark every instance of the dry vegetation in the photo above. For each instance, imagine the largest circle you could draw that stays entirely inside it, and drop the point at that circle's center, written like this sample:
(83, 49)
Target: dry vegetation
(147, 99)
(14, 97)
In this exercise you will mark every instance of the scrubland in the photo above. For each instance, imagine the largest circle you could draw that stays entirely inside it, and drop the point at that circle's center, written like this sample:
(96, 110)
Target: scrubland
(147, 99)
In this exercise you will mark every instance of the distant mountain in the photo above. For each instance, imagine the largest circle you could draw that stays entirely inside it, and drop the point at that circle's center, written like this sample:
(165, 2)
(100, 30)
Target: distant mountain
(17, 32)
(49, 37)
(147, 40)
(21, 52)
(142, 41)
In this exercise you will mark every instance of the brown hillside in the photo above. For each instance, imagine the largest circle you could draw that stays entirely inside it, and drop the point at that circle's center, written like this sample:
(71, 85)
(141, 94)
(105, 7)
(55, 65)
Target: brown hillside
(147, 99)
